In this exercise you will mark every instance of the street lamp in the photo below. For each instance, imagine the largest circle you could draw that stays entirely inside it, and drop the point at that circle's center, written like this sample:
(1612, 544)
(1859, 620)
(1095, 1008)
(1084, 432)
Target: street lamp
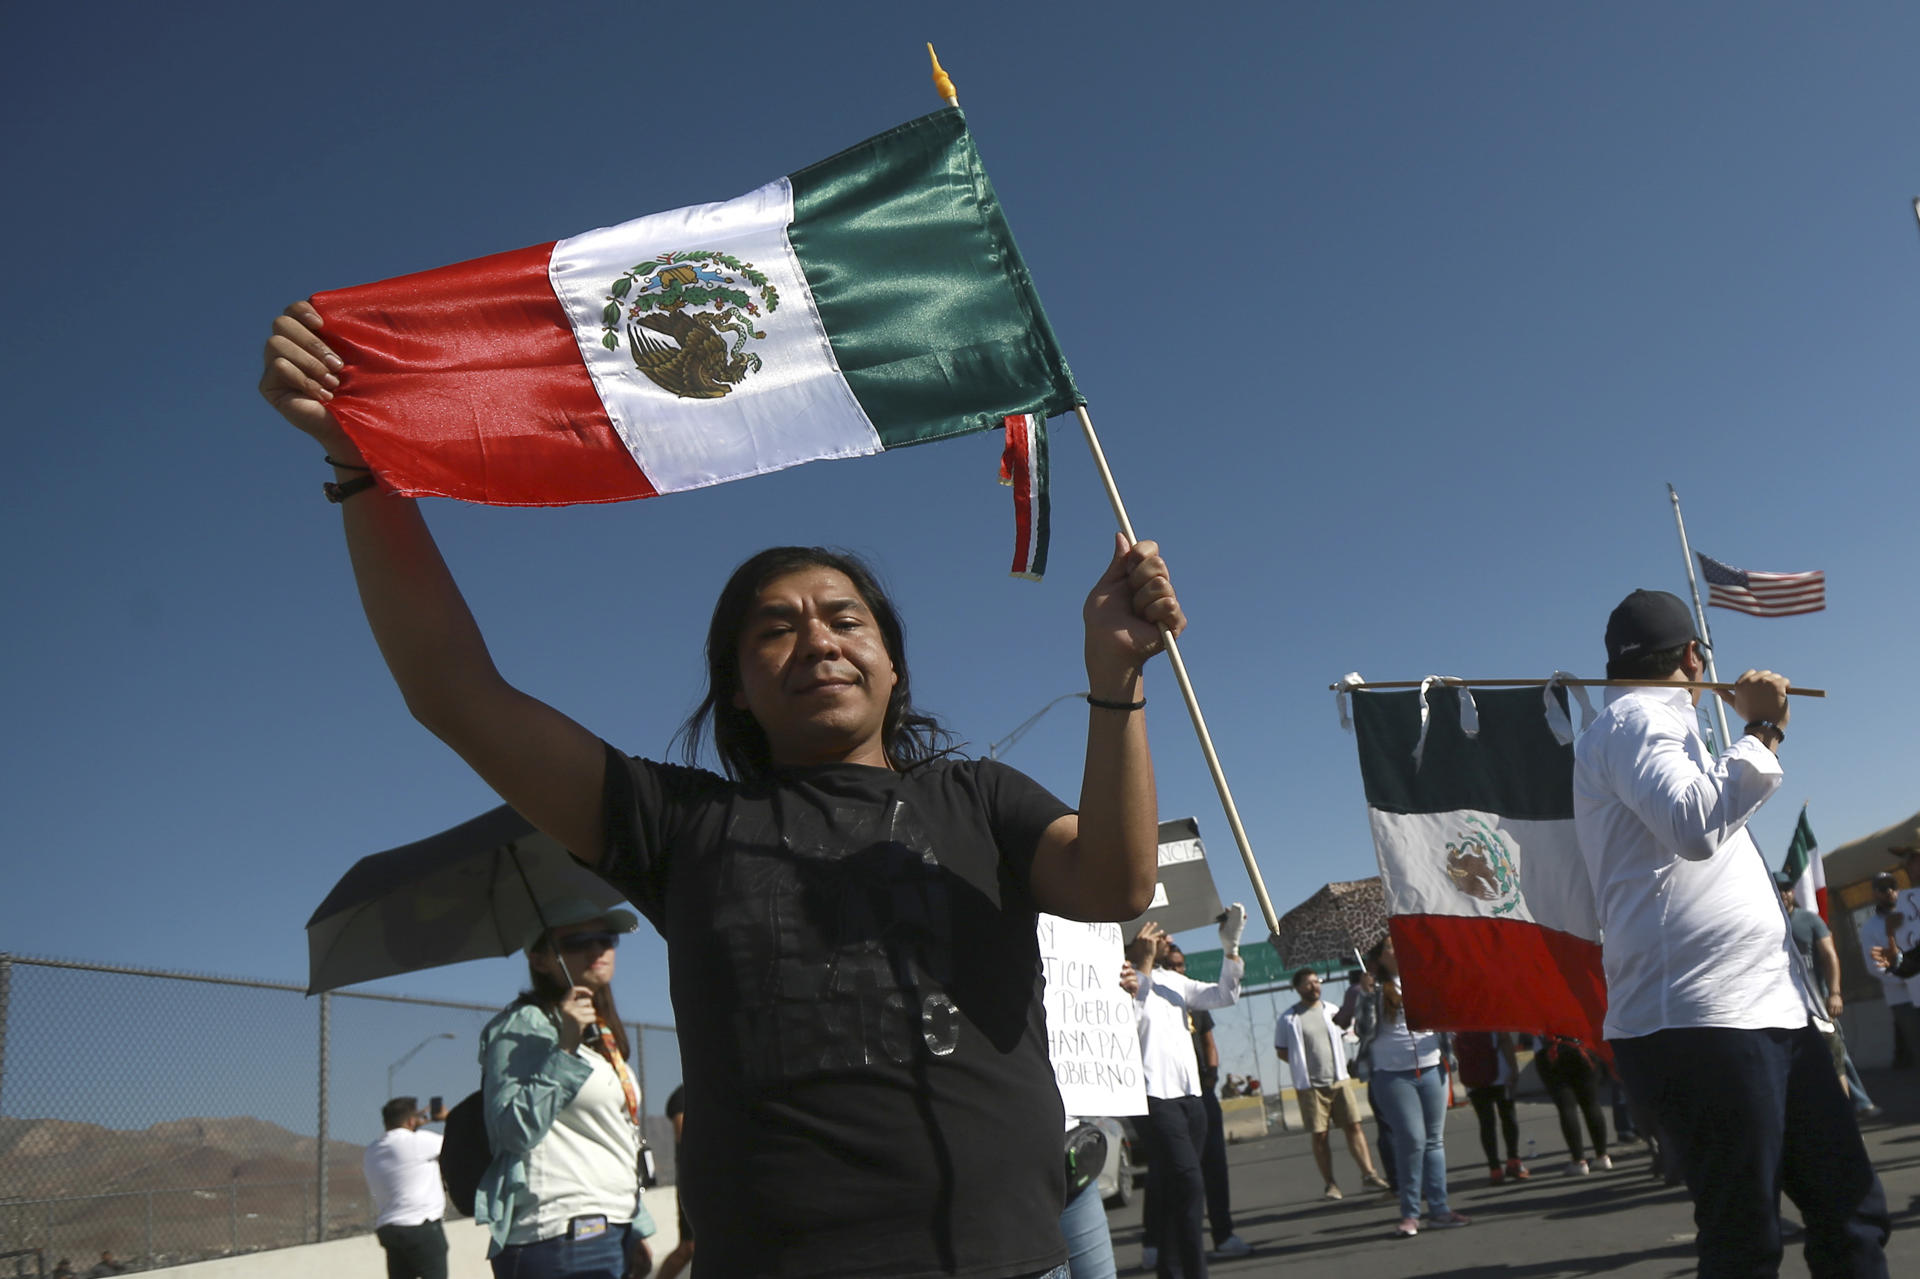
(409, 1057)
(993, 751)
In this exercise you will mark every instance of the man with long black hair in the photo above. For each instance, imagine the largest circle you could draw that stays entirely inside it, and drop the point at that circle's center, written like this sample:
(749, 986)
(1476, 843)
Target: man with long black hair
(849, 909)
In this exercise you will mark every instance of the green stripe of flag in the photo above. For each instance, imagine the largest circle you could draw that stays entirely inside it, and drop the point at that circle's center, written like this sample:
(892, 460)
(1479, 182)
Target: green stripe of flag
(927, 303)
(1800, 851)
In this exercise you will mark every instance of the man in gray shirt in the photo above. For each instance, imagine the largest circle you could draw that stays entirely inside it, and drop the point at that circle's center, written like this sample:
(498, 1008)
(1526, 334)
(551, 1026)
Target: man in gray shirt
(1309, 1041)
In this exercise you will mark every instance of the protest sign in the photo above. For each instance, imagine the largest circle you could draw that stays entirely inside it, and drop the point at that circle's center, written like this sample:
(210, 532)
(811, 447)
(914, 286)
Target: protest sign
(1091, 1036)
(1185, 896)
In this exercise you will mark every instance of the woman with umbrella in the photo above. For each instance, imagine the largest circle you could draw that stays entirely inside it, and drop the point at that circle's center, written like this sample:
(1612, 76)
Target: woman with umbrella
(562, 1195)
(849, 911)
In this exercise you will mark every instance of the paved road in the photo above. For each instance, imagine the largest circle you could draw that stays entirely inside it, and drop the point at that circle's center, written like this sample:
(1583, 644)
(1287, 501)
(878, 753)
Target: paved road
(1618, 1223)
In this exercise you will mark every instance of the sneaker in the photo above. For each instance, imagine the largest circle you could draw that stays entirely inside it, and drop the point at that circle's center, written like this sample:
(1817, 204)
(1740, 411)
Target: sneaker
(1578, 1168)
(1495, 1174)
(1868, 1112)
(1231, 1246)
(1517, 1170)
(1331, 1192)
(1374, 1181)
(1149, 1257)
(1408, 1227)
(1604, 1163)
(1447, 1221)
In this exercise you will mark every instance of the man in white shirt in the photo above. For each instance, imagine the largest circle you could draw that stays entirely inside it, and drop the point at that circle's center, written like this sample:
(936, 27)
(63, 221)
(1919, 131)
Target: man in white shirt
(403, 1177)
(1707, 1014)
(1176, 1127)
(1893, 927)
(1308, 1038)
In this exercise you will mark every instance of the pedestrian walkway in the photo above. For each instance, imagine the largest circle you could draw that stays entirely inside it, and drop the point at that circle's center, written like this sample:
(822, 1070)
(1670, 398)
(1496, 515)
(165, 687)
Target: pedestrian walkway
(1622, 1222)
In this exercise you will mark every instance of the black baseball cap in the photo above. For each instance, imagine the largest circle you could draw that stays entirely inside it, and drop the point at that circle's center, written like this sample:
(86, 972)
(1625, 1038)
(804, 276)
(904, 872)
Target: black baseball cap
(1887, 878)
(1646, 622)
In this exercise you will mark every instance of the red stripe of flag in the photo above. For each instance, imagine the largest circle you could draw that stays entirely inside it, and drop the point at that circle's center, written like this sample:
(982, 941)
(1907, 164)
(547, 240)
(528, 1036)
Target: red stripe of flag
(1469, 973)
(433, 359)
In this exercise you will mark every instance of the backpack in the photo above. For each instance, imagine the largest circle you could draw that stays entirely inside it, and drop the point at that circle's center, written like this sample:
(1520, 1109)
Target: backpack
(465, 1153)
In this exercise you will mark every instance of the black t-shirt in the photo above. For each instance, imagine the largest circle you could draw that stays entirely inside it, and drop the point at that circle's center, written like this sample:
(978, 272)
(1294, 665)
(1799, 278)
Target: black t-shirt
(1202, 1021)
(856, 980)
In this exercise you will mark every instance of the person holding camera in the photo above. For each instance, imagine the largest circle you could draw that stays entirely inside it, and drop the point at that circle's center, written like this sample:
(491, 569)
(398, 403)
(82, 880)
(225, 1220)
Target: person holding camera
(403, 1178)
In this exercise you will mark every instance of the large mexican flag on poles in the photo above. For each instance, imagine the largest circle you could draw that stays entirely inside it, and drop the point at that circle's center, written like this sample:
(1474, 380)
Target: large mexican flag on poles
(1488, 899)
(867, 302)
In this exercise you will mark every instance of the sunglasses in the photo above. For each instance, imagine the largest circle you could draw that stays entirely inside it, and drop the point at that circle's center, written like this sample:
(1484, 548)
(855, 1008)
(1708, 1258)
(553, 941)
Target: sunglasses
(581, 943)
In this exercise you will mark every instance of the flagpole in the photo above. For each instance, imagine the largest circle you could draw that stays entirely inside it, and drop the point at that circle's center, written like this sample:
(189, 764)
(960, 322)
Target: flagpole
(943, 85)
(1186, 687)
(1700, 613)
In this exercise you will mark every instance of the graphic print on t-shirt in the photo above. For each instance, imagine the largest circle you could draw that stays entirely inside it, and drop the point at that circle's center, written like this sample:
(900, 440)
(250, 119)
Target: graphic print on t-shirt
(839, 959)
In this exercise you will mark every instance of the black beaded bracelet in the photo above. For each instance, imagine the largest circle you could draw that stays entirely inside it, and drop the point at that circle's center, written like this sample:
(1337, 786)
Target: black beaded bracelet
(1753, 727)
(1105, 705)
(345, 466)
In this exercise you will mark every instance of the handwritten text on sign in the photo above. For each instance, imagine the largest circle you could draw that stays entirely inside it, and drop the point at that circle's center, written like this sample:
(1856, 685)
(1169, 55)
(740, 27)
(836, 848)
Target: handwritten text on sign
(1091, 1035)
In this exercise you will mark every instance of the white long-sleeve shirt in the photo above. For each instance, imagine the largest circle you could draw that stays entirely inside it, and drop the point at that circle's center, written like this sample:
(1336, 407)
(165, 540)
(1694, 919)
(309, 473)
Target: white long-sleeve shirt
(1693, 930)
(1166, 1039)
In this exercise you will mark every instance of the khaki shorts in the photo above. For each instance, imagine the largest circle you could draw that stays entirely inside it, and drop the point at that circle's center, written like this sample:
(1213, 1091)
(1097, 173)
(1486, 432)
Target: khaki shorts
(1332, 1106)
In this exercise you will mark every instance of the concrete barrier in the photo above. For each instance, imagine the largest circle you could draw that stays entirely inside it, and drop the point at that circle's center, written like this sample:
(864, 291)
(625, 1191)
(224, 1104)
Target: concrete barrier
(362, 1254)
(1243, 1118)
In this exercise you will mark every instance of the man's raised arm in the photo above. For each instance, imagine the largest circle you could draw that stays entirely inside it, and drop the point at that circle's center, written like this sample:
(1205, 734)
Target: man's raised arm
(544, 764)
(1102, 862)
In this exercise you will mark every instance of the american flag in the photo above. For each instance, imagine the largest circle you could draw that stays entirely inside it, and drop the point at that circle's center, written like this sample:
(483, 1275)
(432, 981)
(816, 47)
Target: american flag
(1762, 594)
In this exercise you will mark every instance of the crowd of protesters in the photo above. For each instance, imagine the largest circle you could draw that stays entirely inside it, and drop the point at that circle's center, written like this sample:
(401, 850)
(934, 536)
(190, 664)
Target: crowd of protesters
(850, 913)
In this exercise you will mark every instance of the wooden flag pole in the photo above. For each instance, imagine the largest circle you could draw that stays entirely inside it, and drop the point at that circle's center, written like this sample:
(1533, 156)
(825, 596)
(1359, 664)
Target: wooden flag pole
(1186, 688)
(943, 84)
(1451, 682)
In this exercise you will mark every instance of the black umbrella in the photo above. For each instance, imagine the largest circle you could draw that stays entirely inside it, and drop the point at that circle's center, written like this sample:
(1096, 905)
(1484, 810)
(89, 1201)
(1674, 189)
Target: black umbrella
(473, 892)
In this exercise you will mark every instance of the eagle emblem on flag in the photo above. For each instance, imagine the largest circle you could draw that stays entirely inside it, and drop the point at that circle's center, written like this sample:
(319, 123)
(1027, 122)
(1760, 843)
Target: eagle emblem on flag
(1481, 866)
(688, 318)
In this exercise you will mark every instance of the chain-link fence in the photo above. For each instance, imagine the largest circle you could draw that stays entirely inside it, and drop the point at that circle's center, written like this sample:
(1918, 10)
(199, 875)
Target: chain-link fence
(164, 1117)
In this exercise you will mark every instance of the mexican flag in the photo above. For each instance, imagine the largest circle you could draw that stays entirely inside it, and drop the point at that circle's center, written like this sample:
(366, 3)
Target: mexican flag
(1805, 868)
(1488, 901)
(868, 302)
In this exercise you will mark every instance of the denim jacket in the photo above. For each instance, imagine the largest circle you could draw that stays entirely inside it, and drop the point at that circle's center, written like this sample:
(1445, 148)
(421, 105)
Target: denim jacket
(526, 1079)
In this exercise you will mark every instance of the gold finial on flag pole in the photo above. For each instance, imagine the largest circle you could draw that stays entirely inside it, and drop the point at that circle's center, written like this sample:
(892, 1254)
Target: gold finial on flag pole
(942, 82)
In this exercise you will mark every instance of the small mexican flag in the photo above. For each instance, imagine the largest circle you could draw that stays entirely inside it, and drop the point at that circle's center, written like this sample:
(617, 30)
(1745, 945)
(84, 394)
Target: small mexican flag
(867, 302)
(1804, 867)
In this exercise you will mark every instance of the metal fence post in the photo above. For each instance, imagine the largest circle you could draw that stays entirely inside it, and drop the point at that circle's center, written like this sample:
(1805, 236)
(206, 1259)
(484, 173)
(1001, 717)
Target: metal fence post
(320, 1145)
(640, 1066)
(6, 990)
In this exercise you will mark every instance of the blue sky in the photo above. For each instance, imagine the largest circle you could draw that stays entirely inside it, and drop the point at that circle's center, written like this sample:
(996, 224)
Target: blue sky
(1395, 319)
